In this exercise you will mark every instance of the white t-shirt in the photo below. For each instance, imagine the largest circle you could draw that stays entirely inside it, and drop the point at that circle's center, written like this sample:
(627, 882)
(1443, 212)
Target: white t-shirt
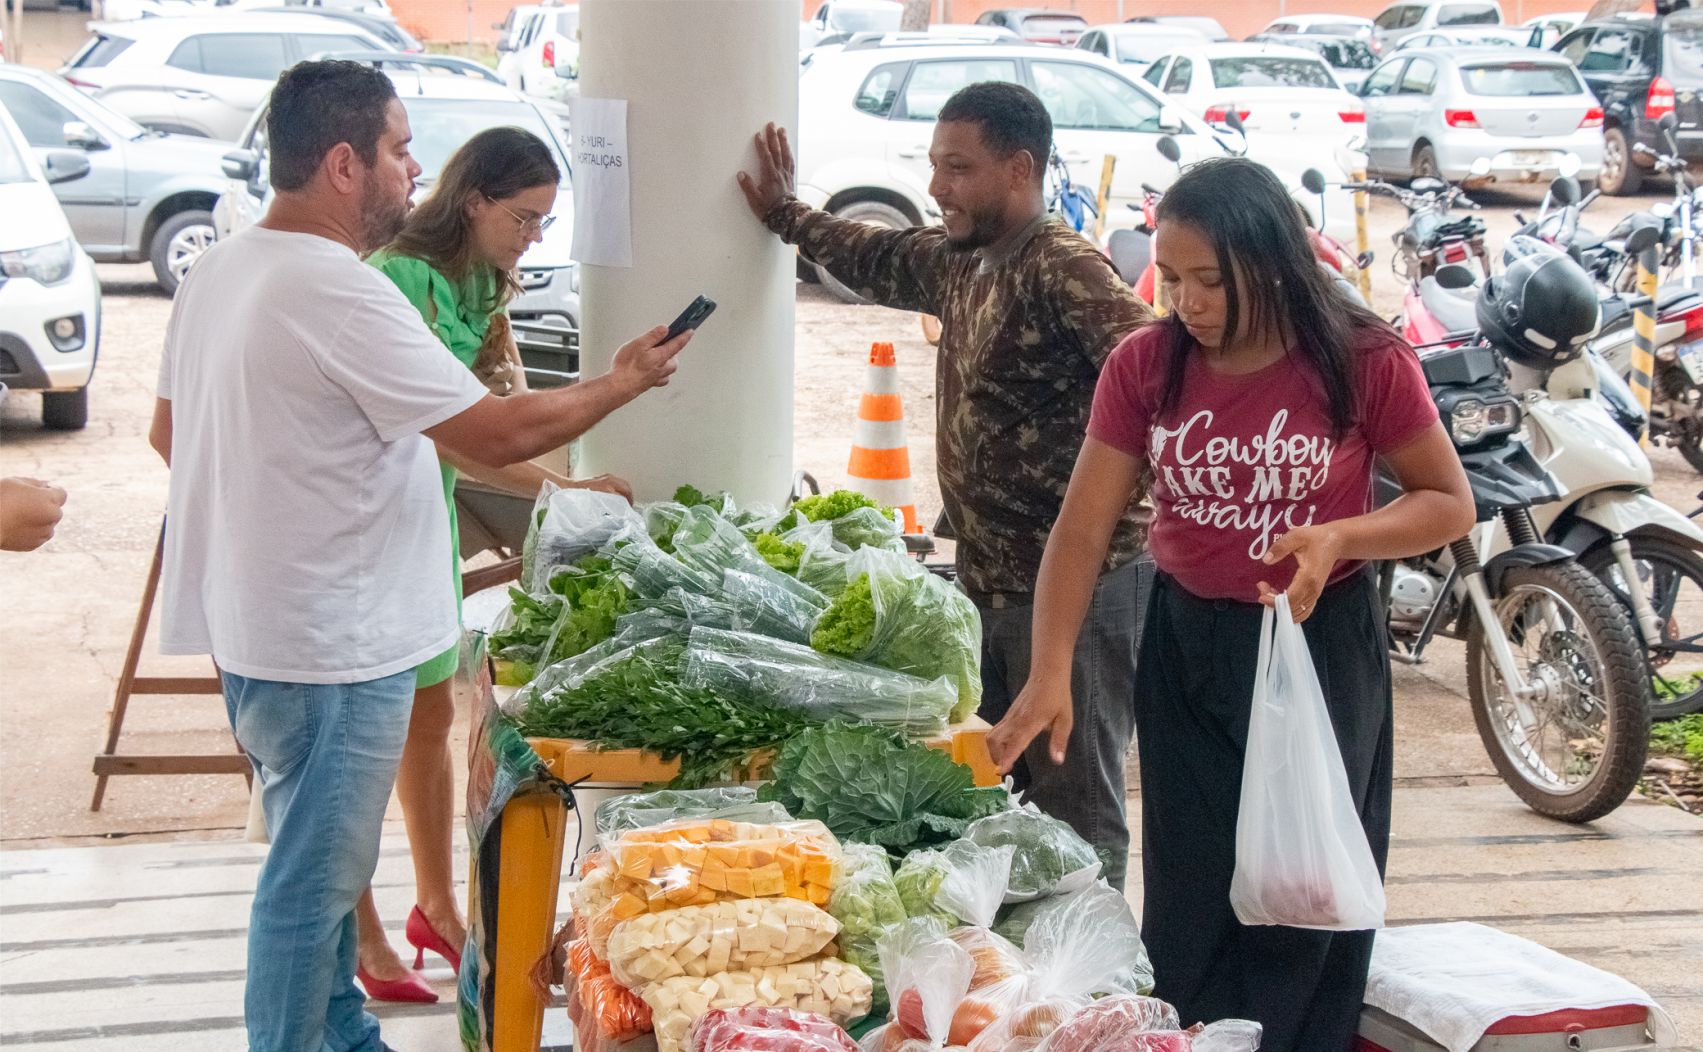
(306, 534)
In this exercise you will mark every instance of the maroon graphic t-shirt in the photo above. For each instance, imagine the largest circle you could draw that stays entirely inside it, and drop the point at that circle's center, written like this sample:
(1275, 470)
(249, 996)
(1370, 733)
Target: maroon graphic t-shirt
(1244, 459)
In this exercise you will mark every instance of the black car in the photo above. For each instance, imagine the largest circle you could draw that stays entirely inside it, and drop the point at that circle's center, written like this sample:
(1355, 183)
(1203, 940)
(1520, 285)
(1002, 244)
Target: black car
(1641, 68)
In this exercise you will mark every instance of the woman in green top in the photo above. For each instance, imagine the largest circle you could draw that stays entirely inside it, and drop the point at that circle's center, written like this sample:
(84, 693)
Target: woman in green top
(455, 260)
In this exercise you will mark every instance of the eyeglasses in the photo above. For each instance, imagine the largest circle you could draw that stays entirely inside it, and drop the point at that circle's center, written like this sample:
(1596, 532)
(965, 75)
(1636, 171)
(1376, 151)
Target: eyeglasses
(536, 225)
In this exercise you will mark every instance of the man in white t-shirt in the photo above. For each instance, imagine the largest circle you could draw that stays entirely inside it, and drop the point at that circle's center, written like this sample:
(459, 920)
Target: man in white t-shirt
(299, 398)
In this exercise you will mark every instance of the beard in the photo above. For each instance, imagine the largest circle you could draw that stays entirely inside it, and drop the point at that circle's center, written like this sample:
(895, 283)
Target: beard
(984, 231)
(382, 216)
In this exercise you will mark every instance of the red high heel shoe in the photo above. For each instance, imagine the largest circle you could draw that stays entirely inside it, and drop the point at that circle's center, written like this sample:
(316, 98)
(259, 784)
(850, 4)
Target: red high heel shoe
(411, 988)
(422, 936)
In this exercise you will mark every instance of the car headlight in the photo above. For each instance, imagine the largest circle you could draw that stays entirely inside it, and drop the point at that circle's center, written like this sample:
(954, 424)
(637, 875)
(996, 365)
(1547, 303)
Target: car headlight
(1472, 420)
(47, 264)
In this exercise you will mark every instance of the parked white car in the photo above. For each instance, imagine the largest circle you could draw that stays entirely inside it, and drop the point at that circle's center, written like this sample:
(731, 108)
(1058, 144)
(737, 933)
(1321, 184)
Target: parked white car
(1137, 44)
(50, 298)
(147, 197)
(1326, 25)
(867, 113)
(1473, 36)
(538, 40)
(1435, 112)
(126, 10)
(1274, 88)
(1405, 17)
(1551, 28)
(202, 76)
(444, 111)
(837, 20)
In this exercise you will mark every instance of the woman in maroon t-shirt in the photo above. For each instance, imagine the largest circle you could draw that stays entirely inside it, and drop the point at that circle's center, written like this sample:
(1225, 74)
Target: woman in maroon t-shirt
(1253, 414)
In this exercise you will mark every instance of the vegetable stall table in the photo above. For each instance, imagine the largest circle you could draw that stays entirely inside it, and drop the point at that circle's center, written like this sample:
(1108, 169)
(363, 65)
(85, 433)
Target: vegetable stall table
(533, 841)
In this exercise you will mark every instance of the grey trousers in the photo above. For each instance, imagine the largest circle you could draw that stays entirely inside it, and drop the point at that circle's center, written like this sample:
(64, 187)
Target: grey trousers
(1087, 790)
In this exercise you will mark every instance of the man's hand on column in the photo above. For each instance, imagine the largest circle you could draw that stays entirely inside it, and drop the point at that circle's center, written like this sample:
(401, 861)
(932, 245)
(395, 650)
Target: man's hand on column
(773, 182)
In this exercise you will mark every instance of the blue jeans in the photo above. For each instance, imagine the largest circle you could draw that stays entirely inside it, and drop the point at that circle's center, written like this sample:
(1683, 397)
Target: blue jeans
(325, 756)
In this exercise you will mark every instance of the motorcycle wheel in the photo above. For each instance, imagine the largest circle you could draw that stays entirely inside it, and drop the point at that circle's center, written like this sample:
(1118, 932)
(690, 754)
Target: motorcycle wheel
(1672, 575)
(1682, 423)
(1591, 732)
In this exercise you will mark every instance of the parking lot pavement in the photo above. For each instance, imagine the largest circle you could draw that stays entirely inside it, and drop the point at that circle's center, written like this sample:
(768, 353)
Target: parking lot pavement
(1620, 893)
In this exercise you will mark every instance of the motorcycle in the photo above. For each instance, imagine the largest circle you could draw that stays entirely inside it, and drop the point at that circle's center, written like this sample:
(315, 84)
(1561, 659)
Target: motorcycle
(1582, 421)
(1131, 249)
(1429, 241)
(1553, 673)
(1676, 396)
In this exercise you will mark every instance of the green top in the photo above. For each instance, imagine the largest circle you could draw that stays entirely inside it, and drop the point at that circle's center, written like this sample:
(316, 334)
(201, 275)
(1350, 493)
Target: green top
(451, 309)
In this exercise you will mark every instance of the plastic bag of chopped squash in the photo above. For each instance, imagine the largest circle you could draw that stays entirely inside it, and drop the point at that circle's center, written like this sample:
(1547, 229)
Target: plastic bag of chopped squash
(695, 862)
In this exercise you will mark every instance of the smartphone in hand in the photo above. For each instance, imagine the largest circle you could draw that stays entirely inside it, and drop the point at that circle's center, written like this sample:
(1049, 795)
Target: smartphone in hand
(692, 317)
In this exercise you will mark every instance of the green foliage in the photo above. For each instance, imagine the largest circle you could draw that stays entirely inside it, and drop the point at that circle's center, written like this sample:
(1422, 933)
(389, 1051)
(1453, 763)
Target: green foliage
(824, 507)
(593, 597)
(639, 703)
(782, 554)
(1681, 737)
(848, 625)
(873, 786)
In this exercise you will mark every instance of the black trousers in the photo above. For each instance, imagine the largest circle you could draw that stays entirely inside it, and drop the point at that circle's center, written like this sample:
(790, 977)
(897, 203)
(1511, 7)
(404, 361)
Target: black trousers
(1195, 685)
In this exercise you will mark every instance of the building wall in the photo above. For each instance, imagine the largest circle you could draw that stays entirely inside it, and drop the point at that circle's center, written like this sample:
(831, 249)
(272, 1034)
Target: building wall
(454, 20)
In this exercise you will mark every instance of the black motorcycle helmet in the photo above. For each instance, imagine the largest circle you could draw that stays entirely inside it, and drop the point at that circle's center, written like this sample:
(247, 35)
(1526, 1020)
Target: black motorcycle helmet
(1540, 311)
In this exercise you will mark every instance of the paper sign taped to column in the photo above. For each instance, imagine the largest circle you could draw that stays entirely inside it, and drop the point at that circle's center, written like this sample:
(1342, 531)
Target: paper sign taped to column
(603, 206)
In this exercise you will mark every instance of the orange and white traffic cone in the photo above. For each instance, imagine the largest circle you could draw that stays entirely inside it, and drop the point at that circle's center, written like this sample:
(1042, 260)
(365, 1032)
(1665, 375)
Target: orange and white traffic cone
(880, 465)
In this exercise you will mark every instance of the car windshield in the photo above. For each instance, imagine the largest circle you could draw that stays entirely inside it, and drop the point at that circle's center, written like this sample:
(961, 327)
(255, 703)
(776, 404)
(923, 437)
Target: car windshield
(1684, 50)
(1341, 54)
(1143, 48)
(1336, 29)
(1512, 79)
(865, 20)
(12, 168)
(442, 125)
(1266, 72)
(1052, 23)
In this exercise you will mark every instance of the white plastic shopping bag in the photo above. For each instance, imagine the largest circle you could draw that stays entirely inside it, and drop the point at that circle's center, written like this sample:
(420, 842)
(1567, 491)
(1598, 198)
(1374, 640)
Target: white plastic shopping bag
(1301, 854)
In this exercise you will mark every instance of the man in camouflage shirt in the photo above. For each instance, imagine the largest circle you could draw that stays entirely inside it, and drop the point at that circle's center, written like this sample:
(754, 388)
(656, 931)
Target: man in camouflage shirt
(1029, 310)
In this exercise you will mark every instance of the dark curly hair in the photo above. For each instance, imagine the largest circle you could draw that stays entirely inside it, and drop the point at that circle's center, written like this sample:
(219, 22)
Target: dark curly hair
(315, 106)
(1012, 118)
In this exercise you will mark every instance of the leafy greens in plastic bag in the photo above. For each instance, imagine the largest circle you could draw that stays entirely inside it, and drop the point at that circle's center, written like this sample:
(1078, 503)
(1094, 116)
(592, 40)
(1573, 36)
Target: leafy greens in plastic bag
(895, 614)
(873, 786)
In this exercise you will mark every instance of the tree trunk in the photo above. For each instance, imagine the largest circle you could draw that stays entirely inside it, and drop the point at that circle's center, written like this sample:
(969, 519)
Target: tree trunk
(915, 18)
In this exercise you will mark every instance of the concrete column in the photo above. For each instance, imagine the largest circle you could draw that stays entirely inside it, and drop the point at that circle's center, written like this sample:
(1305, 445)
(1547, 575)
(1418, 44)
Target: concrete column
(700, 78)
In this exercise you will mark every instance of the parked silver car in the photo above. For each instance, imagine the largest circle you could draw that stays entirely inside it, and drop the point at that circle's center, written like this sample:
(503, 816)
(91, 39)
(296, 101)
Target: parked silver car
(148, 196)
(202, 76)
(1431, 112)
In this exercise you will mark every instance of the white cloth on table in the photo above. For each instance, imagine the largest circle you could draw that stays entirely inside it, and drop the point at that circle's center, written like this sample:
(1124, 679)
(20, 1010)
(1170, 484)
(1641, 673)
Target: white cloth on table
(1455, 981)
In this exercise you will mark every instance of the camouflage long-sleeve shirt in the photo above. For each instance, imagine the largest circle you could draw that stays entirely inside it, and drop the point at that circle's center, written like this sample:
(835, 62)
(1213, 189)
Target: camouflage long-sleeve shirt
(1024, 329)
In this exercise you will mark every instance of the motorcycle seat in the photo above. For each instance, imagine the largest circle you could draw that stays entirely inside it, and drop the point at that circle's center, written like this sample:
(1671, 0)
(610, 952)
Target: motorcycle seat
(1585, 241)
(1455, 310)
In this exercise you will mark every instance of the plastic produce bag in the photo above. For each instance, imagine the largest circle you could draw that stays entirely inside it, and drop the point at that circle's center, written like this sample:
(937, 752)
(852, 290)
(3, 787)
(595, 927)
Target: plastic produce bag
(774, 672)
(762, 606)
(704, 940)
(823, 564)
(895, 614)
(712, 545)
(653, 572)
(617, 1012)
(1105, 1025)
(868, 528)
(570, 673)
(693, 862)
(961, 884)
(1302, 859)
(826, 986)
(569, 523)
(866, 903)
(1050, 857)
(1229, 1035)
(619, 814)
(1088, 943)
(756, 1029)
(928, 976)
